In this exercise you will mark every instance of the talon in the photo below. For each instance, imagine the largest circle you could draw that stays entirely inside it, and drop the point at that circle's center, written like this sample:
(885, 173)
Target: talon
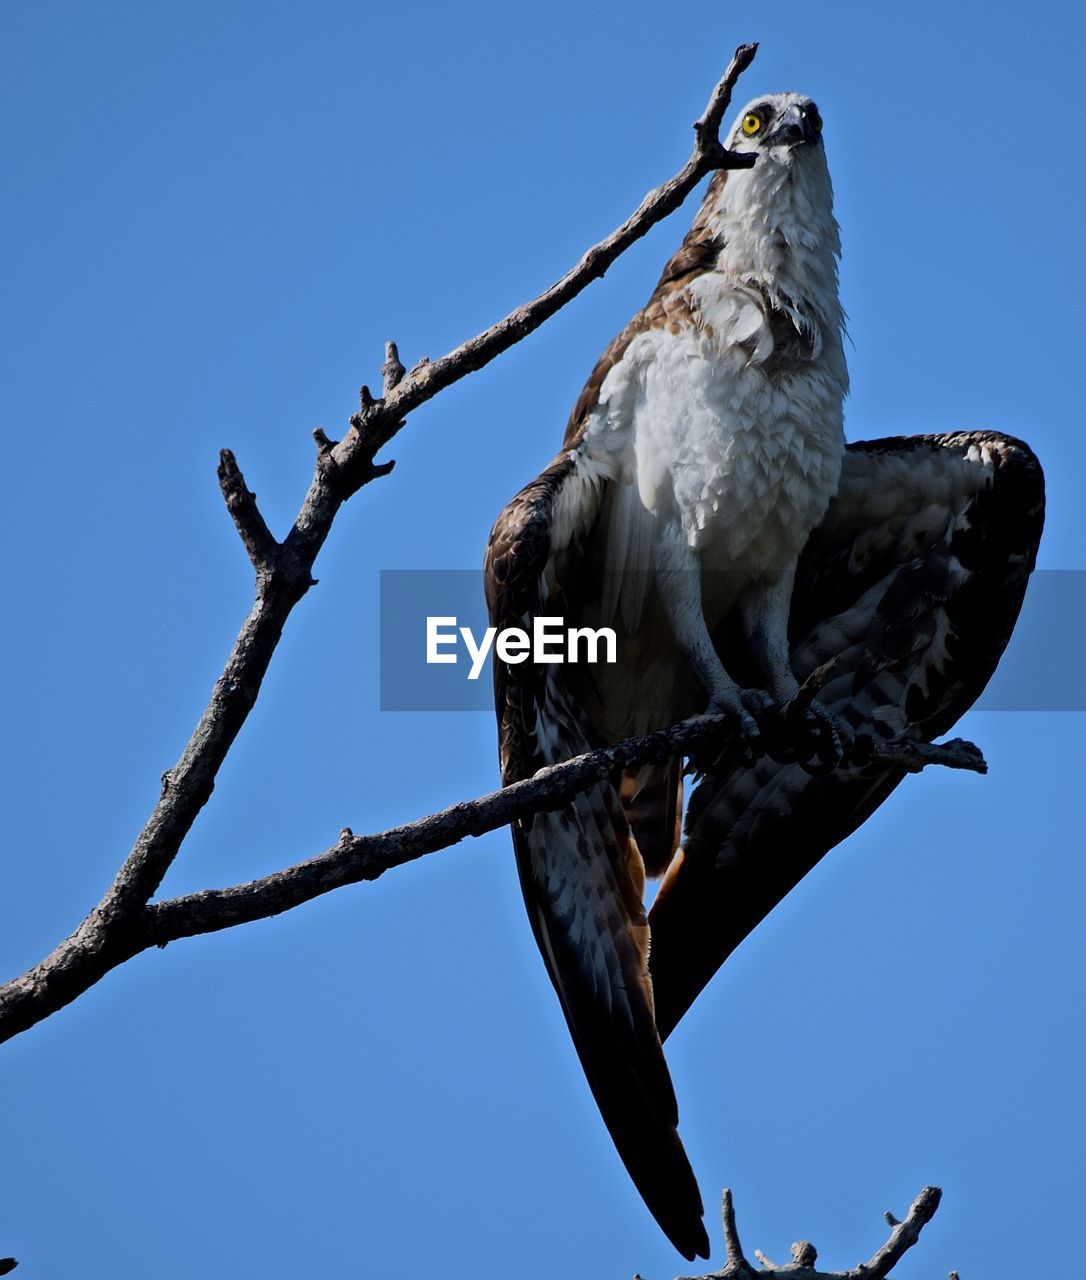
(836, 733)
(741, 706)
(744, 706)
(758, 702)
(829, 735)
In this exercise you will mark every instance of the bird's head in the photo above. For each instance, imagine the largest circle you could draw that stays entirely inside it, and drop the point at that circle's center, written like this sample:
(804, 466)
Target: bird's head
(779, 126)
(776, 216)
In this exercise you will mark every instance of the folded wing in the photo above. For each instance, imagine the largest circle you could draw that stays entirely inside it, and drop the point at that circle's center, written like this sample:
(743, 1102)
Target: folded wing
(913, 582)
(580, 869)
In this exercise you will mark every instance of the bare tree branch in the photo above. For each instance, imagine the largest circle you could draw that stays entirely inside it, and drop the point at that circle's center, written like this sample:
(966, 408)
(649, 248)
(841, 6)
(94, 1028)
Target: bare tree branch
(804, 1255)
(114, 930)
(356, 858)
(902, 1238)
(378, 422)
(104, 944)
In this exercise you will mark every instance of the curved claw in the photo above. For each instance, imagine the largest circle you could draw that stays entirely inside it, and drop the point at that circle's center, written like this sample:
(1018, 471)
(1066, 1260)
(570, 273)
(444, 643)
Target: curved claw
(743, 707)
(832, 739)
(731, 703)
(757, 702)
(762, 711)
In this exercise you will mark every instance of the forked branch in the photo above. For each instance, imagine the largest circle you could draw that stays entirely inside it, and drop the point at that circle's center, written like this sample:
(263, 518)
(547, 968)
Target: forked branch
(117, 927)
(379, 420)
(804, 1255)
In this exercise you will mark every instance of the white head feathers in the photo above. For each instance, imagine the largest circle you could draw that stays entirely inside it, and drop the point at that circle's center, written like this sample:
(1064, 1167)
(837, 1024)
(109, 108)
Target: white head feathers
(776, 220)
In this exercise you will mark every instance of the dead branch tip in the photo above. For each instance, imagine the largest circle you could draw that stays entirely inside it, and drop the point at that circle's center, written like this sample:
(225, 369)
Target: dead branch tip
(957, 753)
(804, 1254)
(733, 1248)
(904, 1234)
(392, 370)
(241, 503)
(707, 126)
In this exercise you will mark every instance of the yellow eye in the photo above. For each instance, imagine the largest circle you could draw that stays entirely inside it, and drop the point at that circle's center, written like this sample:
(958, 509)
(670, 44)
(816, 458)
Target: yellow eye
(751, 124)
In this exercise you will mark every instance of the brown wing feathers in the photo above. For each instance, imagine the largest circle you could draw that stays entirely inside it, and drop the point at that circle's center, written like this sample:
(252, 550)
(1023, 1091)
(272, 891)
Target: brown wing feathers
(583, 877)
(696, 254)
(914, 580)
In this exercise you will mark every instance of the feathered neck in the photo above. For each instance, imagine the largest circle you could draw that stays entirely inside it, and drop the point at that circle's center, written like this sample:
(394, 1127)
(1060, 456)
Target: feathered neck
(775, 227)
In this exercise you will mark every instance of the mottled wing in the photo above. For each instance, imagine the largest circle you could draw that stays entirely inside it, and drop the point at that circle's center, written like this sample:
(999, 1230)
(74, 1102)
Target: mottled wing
(580, 868)
(914, 580)
(696, 255)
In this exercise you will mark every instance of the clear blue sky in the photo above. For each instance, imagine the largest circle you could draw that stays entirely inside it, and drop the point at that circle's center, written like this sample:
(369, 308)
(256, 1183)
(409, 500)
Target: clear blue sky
(215, 214)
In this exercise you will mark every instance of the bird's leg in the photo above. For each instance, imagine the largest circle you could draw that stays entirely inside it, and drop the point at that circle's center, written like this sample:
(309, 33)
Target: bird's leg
(764, 607)
(678, 582)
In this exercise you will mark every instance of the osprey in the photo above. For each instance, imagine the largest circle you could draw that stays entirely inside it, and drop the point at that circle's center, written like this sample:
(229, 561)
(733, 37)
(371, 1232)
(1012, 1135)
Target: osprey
(704, 506)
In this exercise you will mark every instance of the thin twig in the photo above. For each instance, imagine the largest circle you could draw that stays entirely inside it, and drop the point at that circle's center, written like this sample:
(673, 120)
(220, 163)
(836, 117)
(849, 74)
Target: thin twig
(902, 1237)
(375, 426)
(707, 126)
(241, 503)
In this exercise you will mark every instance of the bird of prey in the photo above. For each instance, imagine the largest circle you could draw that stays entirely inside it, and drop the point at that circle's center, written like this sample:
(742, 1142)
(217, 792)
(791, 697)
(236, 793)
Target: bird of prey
(704, 506)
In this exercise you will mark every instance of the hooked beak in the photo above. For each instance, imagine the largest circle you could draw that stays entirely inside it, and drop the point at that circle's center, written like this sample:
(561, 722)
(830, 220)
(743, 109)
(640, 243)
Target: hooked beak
(794, 129)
